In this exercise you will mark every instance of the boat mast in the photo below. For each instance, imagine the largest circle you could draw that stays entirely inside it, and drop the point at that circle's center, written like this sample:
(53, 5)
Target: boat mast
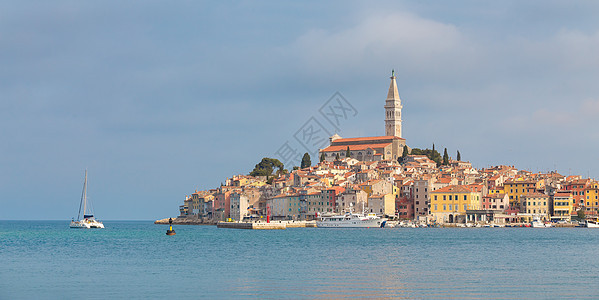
(85, 194)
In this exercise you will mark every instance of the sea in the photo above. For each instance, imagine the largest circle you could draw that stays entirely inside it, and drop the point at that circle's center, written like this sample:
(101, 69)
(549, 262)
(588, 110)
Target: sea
(136, 260)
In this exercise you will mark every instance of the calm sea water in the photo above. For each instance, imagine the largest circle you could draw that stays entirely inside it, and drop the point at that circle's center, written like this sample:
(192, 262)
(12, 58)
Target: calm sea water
(47, 260)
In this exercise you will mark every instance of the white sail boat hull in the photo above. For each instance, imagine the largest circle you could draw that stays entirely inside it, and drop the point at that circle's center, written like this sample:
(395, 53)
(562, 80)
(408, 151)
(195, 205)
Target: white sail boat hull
(87, 224)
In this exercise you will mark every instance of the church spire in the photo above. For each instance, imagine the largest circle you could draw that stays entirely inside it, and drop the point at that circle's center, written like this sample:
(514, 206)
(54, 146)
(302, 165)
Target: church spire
(393, 109)
(393, 94)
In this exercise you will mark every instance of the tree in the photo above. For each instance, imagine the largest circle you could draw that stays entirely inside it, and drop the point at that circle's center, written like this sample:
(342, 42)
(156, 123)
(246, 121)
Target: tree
(337, 156)
(348, 153)
(445, 157)
(306, 163)
(266, 167)
(433, 147)
(433, 155)
(322, 157)
(581, 214)
(459, 157)
(405, 152)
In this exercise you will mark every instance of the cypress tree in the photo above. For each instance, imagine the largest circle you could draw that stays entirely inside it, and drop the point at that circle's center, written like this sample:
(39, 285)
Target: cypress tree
(306, 161)
(322, 157)
(337, 156)
(405, 152)
(459, 157)
(348, 153)
(445, 157)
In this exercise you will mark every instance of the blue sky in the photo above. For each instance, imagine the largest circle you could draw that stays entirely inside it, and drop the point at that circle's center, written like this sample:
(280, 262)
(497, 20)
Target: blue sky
(157, 99)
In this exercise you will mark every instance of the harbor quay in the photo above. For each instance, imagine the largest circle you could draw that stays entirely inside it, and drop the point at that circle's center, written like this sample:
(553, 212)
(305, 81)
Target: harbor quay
(243, 225)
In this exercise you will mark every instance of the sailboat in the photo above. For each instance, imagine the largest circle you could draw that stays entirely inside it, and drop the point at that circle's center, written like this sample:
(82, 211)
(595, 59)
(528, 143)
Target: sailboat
(88, 220)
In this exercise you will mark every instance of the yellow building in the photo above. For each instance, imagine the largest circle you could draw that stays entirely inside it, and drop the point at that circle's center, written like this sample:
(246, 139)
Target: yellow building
(592, 200)
(562, 206)
(515, 189)
(535, 204)
(452, 201)
(497, 190)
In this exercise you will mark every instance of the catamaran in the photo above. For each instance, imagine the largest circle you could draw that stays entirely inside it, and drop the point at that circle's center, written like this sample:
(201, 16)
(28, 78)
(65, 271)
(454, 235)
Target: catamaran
(88, 220)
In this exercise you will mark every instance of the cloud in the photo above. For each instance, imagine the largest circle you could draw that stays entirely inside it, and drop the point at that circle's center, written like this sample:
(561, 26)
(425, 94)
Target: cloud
(576, 49)
(393, 39)
(559, 120)
(590, 107)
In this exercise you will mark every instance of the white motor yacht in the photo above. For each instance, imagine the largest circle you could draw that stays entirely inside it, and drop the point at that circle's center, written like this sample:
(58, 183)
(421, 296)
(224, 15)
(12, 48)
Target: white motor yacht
(351, 220)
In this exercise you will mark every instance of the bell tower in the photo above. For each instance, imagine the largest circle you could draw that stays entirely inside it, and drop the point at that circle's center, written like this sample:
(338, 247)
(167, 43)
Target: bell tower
(393, 110)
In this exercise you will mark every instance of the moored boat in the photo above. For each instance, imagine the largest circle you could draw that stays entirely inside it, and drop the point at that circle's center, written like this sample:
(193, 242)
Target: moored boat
(537, 223)
(88, 220)
(351, 220)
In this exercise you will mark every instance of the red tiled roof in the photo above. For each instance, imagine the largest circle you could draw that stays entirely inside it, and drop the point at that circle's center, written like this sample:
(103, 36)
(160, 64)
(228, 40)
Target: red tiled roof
(474, 187)
(354, 147)
(563, 194)
(444, 180)
(453, 189)
(579, 181)
(361, 139)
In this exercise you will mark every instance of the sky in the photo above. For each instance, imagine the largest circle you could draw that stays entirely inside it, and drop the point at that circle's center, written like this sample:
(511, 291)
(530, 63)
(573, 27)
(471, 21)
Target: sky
(157, 99)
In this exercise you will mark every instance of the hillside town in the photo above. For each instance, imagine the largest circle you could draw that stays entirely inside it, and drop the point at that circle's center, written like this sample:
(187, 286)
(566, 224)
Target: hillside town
(381, 175)
(416, 189)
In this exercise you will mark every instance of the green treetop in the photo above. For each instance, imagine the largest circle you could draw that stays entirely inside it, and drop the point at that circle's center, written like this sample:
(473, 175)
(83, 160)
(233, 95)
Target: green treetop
(306, 161)
(445, 157)
(266, 167)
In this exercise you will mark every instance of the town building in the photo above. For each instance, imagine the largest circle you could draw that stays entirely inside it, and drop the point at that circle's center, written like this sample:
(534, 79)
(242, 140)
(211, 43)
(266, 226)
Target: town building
(535, 204)
(562, 206)
(592, 200)
(449, 204)
(239, 206)
(382, 204)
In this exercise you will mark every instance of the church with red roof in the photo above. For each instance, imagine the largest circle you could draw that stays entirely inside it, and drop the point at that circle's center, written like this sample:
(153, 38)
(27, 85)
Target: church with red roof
(387, 147)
